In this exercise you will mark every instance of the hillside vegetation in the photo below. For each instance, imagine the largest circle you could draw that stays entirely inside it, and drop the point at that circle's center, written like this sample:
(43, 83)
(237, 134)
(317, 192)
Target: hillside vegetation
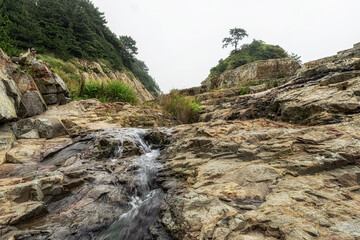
(68, 29)
(256, 50)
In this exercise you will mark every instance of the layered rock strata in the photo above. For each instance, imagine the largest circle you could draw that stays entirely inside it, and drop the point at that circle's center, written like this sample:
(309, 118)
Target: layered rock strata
(276, 163)
(254, 72)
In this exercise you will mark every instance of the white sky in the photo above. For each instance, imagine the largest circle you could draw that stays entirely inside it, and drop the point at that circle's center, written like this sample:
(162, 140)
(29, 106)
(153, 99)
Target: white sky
(181, 40)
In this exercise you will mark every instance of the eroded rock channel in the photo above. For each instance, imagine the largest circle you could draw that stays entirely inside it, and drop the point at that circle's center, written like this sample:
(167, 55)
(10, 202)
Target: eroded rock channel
(99, 185)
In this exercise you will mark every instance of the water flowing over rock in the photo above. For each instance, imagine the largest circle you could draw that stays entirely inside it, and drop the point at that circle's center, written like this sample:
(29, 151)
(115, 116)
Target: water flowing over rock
(76, 188)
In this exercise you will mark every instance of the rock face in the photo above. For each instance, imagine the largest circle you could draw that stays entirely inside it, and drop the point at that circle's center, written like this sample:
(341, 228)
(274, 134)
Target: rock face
(254, 72)
(26, 89)
(97, 73)
(260, 179)
(273, 162)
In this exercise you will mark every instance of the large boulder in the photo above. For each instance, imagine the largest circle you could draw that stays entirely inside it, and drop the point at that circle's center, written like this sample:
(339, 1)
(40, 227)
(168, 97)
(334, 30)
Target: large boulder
(49, 127)
(9, 95)
(32, 104)
(24, 82)
(254, 72)
(7, 106)
(50, 85)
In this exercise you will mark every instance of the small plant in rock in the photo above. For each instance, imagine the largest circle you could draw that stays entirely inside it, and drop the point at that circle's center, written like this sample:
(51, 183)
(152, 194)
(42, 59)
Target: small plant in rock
(95, 70)
(243, 91)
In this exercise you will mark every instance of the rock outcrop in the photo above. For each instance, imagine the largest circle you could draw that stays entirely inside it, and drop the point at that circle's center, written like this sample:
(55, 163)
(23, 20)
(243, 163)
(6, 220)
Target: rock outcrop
(27, 88)
(255, 72)
(272, 162)
(260, 179)
(98, 72)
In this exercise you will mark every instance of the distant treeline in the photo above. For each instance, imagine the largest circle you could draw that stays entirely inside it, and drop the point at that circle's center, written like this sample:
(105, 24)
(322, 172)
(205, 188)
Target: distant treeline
(66, 28)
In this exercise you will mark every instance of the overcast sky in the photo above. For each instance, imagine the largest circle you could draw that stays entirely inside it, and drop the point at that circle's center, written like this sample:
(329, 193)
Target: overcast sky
(180, 40)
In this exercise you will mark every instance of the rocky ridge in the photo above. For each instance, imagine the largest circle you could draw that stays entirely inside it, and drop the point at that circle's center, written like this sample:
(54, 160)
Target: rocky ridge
(254, 72)
(277, 163)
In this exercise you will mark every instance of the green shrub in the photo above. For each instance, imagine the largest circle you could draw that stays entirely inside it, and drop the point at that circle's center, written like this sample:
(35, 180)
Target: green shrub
(113, 91)
(186, 109)
(243, 92)
(95, 70)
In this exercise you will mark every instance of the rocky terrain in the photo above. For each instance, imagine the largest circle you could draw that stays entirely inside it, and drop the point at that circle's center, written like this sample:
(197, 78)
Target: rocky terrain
(278, 159)
(66, 174)
(280, 163)
(98, 72)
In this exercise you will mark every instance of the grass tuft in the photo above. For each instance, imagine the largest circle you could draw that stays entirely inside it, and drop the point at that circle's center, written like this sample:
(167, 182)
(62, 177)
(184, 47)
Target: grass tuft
(113, 91)
(185, 108)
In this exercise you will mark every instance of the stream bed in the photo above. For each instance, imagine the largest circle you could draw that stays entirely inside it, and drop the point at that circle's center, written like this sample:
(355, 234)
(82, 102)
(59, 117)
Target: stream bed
(146, 196)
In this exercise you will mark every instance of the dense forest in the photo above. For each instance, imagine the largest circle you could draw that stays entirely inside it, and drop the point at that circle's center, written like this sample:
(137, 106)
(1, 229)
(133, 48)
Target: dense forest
(254, 51)
(66, 28)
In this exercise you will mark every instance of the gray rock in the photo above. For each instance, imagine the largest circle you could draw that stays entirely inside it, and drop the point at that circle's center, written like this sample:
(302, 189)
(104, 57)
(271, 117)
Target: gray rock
(50, 99)
(12, 91)
(7, 106)
(24, 82)
(50, 128)
(23, 127)
(33, 134)
(61, 86)
(61, 99)
(33, 103)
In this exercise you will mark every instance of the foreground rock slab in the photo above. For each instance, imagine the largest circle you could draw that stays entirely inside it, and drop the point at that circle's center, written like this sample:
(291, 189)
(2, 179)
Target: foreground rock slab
(261, 179)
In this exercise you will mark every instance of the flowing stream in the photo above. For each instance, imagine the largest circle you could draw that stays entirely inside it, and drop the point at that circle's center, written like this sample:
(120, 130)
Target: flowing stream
(146, 196)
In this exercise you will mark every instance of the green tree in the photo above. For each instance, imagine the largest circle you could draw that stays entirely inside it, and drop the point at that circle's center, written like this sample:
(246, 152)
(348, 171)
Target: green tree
(67, 29)
(295, 57)
(130, 45)
(236, 34)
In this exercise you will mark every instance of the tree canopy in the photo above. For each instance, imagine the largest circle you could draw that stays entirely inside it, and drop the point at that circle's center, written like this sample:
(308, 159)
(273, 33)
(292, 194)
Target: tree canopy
(66, 28)
(130, 44)
(236, 35)
(256, 50)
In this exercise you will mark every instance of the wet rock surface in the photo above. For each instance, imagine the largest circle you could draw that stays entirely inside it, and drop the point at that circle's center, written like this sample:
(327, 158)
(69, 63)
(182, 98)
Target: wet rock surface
(69, 188)
(67, 173)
